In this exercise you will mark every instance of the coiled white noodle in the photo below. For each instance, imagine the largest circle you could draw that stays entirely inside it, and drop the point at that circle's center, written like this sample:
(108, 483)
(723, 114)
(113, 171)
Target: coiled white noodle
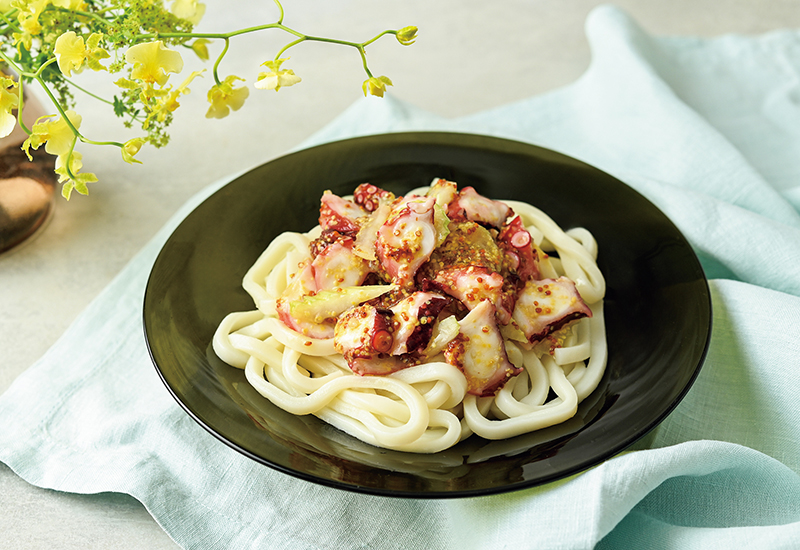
(424, 408)
(528, 418)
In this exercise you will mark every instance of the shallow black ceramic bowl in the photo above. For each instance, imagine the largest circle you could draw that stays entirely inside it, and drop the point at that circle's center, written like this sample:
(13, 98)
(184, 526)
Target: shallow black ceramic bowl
(657, 310)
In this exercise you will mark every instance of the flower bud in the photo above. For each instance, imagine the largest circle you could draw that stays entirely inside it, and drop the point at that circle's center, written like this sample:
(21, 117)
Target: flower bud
(200, 47)
(130, 148)
(407, 35)
(376, 85)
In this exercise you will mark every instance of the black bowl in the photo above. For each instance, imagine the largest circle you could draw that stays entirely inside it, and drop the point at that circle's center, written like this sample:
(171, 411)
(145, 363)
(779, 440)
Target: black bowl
(657, 310)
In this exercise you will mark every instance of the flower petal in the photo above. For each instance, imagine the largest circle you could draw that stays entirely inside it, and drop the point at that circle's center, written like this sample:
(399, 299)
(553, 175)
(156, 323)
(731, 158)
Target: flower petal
(8, 102)
(58, 134)
(152, 62)
(70, 52)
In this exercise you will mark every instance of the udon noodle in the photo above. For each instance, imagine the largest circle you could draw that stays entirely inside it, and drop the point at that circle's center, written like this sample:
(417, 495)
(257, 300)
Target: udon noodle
(426, 407)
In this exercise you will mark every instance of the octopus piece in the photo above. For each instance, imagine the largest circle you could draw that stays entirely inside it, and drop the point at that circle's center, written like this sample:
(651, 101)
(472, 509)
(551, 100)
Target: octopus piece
(547, 305)
(363, 335)
(479, 352)
(472, 285)
(335, 263)
(326, 238)
(521, 257)
(339, 214)
(407, 239)
(412, 321)
(370, 197)
(477, 208)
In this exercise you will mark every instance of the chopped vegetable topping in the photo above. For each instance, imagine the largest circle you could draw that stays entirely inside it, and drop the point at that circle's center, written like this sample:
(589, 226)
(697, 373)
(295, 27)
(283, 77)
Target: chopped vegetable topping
(396, 281)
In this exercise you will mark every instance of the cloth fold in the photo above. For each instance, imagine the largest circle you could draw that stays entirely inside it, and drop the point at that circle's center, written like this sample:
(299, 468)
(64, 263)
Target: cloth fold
(705, 128)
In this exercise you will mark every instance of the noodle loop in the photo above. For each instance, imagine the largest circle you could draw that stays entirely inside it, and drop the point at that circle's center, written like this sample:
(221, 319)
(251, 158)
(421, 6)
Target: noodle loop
(426, 406)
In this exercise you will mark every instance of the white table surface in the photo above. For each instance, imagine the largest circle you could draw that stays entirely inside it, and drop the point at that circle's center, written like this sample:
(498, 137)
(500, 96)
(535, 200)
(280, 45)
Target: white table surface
(471, 55)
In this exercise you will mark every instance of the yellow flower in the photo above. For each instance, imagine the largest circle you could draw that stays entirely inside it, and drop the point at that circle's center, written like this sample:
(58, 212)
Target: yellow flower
(94, 53)
(376, 85)
(126, 84)
(171, 101)
(200, 47)
(69, 4)
(28, 17)
(152, 62)
(168, 102)
(276, 77)
(130, 148)
(70, 53)
(56, 135)
(76, 180)
(407, 35)
(190, 10)
(224, 97)
(76, 163)
(9, 100)
(60, 135)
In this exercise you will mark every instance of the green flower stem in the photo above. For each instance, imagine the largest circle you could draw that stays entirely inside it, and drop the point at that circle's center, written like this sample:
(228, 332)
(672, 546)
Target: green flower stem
(121, 24)
(213, 35)
(17, 69)
(277, 25)
(6, 17)
(37, 76)
(8, 61)
(384, 33)
(108, 9)
(133, 116)
(364, 62)
(360, 46)
(289, 45)
(280, 8)
(72, 176)
(332, 40)
(58, 107)
(20, 107)
(42, 67)
(93, 142)
(87, 14)
(219, 60)
(87, 92)
(225, 36)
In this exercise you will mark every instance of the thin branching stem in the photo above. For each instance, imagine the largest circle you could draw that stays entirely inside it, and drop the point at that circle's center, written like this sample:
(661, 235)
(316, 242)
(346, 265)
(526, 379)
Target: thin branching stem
(219, 60)
(31, 57)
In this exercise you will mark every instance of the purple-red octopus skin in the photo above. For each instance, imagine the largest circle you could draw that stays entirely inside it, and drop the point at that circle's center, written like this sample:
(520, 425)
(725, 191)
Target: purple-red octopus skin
(363, 335)
(379, 341)
(413, 319)
(370, 197)
(472, 285)
(339, 214)
(479, 351)
(480, 209)
(407, 239)
(337, 266)
(546, 305)
(517, 243)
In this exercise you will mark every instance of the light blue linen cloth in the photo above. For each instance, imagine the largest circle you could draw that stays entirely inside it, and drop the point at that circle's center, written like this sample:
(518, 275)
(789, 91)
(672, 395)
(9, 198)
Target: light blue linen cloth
(709, 130)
